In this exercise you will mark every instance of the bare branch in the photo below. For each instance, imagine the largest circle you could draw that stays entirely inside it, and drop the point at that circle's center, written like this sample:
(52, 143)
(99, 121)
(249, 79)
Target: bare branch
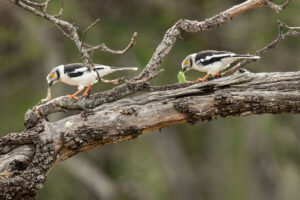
(63, 32)
(86, 30)
(61, 10)
(114, 81)
(34, 3)
(294, 28)
(50, 143)
(46, 5)
(277, 8)
(104, 48)
(281, 37)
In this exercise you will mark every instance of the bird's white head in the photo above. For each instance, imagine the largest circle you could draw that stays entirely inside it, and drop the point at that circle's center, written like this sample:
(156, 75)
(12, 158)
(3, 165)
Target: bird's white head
(53, 76)
(188, 63)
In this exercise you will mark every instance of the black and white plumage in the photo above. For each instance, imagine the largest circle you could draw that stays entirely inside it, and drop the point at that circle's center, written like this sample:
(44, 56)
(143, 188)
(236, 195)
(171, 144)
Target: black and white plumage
(211, 61)
(79, 75)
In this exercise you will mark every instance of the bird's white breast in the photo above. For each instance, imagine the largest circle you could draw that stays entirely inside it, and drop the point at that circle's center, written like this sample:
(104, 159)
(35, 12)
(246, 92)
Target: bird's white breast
(87, 78)
(211, 69)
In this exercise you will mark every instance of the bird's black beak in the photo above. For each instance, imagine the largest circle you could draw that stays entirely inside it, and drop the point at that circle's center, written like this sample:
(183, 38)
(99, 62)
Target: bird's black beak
(50, 83)
(184, 69)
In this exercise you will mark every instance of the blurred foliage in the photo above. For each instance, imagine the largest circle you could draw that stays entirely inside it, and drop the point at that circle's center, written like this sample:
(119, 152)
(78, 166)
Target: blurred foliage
(254, 157)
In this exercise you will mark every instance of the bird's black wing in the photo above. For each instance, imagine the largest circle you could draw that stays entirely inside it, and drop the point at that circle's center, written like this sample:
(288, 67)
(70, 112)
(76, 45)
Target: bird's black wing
(75, 69)
(210, 56)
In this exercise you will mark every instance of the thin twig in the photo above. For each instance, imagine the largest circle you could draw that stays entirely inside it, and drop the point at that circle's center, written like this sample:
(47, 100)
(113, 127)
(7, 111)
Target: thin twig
(114, 81)
(86, 30)
(277, 8)
(34, 3)
(46, 6)
(90, 64)
(294, 28)
(103, 47)
(63, 32)
(289, 27)
(61, 10)
(281, 37)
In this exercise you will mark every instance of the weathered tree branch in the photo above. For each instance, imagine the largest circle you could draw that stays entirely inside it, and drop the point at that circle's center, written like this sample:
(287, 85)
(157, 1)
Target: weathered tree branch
(241, 94)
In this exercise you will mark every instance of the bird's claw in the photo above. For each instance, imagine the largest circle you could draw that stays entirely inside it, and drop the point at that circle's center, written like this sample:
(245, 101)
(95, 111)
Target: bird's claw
(72, 96)
(86, 95)
(201, 80)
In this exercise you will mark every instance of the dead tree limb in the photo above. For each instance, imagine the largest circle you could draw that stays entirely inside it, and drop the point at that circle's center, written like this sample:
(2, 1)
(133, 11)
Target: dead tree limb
(27, 157)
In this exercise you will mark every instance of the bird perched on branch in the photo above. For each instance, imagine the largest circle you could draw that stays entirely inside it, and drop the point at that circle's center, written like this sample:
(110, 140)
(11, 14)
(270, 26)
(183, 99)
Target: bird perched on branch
(80, 75)
(212, 62)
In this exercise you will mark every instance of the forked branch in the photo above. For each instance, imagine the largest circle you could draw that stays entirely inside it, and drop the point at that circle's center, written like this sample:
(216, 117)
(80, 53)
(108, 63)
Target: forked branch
(277, 8)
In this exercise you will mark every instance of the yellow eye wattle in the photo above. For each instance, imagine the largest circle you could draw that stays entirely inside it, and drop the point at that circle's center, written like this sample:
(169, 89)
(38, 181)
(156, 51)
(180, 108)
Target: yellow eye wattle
(52, 75)
(186, 62)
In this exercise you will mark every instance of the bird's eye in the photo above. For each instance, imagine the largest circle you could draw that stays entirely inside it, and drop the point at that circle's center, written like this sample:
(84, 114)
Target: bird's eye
(186, 62)
(52, 75)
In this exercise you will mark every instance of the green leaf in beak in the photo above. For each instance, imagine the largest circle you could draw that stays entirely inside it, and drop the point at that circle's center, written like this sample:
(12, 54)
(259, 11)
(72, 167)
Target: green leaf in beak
(181, 77)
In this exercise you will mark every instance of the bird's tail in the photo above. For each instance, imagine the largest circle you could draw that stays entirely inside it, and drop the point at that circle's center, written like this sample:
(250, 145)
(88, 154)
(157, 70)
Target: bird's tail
(105, 70)
(124, 68)
(247, 57)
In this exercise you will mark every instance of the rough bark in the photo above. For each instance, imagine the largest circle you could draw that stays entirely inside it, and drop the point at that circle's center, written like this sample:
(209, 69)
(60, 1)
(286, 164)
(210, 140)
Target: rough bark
(27, 157)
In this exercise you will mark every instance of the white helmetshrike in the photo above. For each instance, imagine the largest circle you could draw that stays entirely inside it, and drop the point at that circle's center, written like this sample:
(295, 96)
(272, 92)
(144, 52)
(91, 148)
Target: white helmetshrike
(80, 75)
(212, 62)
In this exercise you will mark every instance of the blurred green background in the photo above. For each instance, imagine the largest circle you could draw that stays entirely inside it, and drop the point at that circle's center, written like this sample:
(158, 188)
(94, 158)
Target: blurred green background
(255, 157)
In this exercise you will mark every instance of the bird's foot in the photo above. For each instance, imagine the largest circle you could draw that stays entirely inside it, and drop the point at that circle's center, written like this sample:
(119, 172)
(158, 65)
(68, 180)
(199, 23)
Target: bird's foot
(72, 96)
(87, 91)
(215, 77)
(201, 80)
(217, 74)
(86, 95)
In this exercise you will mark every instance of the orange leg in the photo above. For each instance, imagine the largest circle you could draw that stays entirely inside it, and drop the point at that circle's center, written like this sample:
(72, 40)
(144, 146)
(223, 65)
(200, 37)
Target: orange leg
(218, 73)
(203, 79)
(87, 90)
(74, 95)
